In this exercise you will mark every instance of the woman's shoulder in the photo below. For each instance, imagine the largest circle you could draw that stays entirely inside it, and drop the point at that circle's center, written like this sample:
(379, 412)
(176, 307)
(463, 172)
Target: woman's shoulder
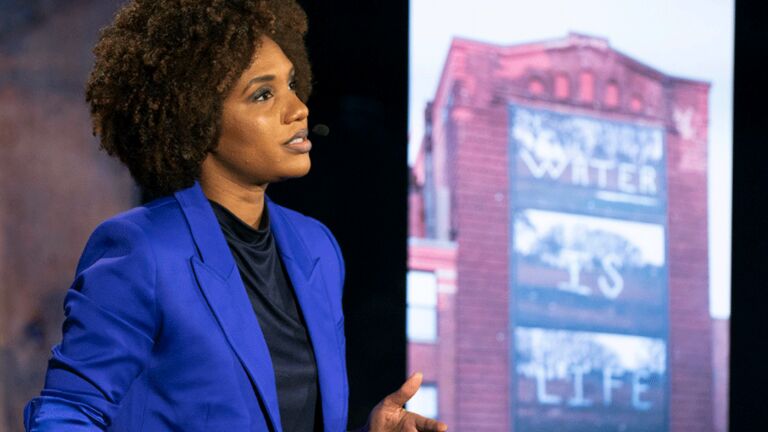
(156, 222)
(159, 214)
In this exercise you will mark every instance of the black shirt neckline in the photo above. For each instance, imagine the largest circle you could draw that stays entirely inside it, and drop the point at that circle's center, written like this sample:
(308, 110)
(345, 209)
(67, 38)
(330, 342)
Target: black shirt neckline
(239, 230)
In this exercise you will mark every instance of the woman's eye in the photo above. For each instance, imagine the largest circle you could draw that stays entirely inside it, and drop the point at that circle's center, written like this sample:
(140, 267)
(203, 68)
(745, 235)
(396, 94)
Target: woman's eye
(262, 95)
(292, 85)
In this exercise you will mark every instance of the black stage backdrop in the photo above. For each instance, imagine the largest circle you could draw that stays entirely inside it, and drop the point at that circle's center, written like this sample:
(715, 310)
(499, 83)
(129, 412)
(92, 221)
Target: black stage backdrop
(358, 183)
(749, 325)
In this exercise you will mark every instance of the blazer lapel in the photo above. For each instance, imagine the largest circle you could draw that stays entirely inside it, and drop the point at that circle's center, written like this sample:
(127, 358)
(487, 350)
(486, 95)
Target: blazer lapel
(302, 267)
(225, 293)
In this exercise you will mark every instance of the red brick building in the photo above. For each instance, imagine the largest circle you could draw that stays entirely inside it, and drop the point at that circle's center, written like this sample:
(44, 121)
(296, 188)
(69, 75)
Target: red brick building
(559, 199)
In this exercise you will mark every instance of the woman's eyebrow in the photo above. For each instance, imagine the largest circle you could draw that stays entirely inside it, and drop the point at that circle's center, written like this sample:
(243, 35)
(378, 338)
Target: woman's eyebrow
(266, 78)
(258, 79)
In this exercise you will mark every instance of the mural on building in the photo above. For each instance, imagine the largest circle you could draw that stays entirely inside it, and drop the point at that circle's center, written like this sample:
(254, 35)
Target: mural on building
(592, 262)
(558, 202)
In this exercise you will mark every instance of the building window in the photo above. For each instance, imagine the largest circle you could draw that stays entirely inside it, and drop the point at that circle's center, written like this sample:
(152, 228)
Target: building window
(536, 86)
(424, 402)
(562, 86)
(422, 306)
(612, 95)
(586, 87)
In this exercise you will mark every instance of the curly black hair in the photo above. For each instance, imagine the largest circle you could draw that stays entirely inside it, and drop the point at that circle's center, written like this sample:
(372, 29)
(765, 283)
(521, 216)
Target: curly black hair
(163, 69)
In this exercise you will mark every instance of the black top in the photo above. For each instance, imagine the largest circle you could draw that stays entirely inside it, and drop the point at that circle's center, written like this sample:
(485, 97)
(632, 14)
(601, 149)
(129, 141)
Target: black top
(274, 303)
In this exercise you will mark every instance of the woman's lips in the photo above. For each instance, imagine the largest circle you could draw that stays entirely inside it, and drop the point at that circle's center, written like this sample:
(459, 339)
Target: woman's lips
(299, 145)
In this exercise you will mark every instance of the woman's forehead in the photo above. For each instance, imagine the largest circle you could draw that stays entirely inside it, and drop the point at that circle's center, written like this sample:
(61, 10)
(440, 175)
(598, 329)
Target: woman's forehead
(269, 57)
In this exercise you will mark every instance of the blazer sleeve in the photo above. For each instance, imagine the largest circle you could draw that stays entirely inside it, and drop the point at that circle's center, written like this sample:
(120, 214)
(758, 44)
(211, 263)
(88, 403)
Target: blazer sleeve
(107, 335)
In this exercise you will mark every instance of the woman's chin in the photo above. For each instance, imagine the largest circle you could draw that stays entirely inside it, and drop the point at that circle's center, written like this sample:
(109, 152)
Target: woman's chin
(297, 169)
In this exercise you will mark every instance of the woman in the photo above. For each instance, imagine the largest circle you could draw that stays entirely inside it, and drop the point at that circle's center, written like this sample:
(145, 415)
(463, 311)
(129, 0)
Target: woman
(210, 308)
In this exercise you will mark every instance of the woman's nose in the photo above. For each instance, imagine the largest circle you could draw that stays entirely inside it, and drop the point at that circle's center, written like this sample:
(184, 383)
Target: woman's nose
(297, 110)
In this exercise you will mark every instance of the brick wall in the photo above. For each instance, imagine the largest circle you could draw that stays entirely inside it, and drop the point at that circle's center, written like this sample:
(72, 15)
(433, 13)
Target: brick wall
(690, 338)
(482, 348)
(720, 364)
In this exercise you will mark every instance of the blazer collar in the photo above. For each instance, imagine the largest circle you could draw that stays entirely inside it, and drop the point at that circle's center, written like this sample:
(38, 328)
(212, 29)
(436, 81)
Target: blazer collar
(213, 248)
(225, 293)
(294, 252)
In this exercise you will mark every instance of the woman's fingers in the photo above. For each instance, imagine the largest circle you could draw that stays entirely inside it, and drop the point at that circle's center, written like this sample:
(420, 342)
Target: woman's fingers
(406, 391)
(402, 420)
(424, 424)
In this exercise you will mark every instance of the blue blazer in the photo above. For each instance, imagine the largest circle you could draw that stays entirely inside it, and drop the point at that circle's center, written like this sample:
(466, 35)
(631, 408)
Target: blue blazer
(160, 335)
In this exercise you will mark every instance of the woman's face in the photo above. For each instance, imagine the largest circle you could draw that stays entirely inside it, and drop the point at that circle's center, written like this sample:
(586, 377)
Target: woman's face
(264, 124)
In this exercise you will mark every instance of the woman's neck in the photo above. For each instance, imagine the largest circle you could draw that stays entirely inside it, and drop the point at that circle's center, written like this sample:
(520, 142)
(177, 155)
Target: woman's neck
(245, 202)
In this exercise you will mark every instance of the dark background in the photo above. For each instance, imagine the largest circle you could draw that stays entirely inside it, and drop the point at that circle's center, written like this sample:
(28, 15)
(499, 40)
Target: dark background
(749, 319)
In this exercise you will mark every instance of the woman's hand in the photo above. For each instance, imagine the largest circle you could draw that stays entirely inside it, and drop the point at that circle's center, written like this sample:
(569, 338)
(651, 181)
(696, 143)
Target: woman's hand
(390, 416)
